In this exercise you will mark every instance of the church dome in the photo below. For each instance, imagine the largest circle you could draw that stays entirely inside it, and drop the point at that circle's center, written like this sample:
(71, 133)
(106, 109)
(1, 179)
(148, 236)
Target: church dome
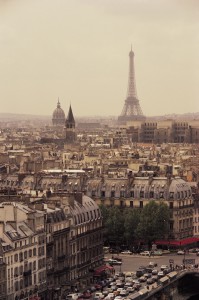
(58, 117)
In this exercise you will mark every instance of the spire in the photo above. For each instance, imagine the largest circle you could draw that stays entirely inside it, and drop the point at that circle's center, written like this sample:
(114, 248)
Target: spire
(58, 103)
(70, 117)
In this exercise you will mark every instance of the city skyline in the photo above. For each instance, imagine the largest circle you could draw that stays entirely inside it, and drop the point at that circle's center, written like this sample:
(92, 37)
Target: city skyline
(78, 51)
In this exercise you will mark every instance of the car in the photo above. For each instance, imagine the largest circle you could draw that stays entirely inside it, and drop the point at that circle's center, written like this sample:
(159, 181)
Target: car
(152, 264)
(161, 274)
(181, 252)
(155, 278)
(140, 272)
(130, 289)
(197, 254)
(163, 267)
(126, 252)
(154, 272)
(124, 293)
(150, 281)
(117, 258)
(99, 295)
(157, 253)
(118, 297)
(147, 275)
(114, 262)
(143, 279)
(145, 253)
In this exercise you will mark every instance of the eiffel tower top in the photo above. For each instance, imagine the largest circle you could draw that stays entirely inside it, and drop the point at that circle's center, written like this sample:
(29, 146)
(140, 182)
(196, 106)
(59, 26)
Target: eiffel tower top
(131, 89)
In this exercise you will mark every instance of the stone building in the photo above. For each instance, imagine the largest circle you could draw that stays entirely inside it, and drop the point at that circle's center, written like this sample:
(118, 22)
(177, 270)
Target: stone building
(23, 250)
(136, 192)
(74, 241)
(166, 131)
(3, 282)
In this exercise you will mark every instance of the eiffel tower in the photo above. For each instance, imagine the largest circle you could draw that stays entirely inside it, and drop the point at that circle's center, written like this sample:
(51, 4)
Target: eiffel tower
(131, 110)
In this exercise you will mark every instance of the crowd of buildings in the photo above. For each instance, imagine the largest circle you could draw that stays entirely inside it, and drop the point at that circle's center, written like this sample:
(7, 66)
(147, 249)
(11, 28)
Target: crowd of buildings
(54, 177)
(52, 180)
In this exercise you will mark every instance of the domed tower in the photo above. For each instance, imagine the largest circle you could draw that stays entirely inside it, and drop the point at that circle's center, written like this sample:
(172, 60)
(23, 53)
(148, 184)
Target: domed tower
(58, 117)
(70, 127)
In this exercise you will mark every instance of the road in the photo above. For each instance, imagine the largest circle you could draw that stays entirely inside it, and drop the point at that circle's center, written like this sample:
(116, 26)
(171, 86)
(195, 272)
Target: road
(130, 263)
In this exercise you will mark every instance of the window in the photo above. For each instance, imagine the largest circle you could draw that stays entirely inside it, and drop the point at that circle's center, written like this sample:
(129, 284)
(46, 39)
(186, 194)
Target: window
(25, 255)
(151, 194)
(102, 194)
(30, 253)
(121, 193)
(112, 194)
(131, 203)
(171, 195)
(161, 195)
(141, 204)
(132, 194)
(141, 194)
(16, 257)
(171, 205)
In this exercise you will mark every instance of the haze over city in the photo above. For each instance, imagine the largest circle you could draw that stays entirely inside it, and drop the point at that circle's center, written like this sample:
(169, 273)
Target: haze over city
(78, 51)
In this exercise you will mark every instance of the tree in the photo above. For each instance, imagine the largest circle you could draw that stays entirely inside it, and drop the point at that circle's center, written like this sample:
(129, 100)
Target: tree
(131, 221)
(154, 222)
(113, 225)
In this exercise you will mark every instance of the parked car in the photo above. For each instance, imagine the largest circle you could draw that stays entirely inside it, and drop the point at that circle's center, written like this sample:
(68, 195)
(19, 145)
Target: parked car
(181, 252)
(126, 252)
(157, 253)
(117, 258)
(145, 253)
(114, 262)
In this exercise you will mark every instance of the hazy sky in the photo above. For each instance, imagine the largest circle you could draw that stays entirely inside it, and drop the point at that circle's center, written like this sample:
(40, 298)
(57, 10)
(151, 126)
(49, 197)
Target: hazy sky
(77, 50)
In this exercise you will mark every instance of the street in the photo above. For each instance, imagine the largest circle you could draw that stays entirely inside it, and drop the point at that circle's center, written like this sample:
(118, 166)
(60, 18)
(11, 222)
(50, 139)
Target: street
(130, 263)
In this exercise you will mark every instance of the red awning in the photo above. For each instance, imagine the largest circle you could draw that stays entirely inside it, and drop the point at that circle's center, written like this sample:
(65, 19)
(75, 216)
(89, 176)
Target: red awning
(103, 268)
(187, 241)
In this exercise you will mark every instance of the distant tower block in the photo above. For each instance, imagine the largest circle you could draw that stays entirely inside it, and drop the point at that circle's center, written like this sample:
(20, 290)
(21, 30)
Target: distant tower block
(131, 110)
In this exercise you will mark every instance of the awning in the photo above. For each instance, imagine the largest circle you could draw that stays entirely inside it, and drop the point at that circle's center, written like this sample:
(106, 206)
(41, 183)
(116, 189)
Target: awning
(102, 269)
(187, 241)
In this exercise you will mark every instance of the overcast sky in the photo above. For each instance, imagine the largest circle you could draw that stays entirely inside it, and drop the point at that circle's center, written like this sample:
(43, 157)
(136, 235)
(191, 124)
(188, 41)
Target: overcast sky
(77, 50)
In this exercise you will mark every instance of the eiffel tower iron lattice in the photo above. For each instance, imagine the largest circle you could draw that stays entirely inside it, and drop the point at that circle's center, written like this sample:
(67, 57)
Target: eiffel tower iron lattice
(131, 110)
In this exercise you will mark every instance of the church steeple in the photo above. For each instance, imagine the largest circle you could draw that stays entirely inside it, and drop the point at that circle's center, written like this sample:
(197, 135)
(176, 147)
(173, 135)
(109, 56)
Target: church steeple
(70, 117)
(70, 127)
